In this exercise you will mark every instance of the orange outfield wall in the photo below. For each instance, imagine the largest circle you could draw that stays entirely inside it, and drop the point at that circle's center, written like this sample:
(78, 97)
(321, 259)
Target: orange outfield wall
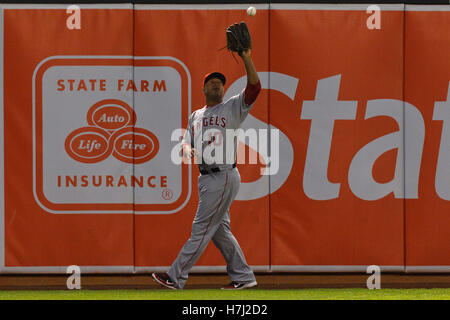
(332, 226)
(34, 237)
(357, 182)
(427, 75)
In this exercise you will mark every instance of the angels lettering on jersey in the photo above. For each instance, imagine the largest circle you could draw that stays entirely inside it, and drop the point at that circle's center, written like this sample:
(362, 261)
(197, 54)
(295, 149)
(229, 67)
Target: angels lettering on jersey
(212, 131)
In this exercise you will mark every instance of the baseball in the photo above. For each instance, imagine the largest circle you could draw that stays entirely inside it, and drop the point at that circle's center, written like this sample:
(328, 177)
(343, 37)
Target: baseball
(251, 11)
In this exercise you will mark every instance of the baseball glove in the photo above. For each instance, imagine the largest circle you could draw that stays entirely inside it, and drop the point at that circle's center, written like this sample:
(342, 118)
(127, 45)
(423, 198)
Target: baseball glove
(238, 38)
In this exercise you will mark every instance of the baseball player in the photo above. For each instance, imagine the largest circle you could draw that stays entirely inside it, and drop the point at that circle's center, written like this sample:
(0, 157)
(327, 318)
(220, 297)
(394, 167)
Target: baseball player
(219, 181)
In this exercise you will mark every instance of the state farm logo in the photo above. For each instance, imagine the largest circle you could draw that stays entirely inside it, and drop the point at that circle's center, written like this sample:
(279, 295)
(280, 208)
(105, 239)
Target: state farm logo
(111, 131)
(91, 153)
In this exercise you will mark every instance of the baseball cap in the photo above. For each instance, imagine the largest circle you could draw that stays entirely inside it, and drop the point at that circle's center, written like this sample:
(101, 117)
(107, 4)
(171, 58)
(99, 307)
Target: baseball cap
(214, 75)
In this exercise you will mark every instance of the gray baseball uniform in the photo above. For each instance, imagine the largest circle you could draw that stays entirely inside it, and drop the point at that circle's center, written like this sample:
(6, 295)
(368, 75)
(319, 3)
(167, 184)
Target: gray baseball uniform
(206, 131)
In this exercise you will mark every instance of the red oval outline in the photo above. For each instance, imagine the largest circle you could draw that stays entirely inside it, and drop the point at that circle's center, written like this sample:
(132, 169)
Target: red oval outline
(134, 130)
(98, 105)
(110, 106)
(101, 132)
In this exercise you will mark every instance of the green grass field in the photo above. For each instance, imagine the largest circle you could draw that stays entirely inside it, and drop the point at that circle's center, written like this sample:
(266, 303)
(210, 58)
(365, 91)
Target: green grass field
(210, 294)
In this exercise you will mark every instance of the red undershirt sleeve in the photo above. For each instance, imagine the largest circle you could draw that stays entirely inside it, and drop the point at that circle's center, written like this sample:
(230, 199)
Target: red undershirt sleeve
(251, 92)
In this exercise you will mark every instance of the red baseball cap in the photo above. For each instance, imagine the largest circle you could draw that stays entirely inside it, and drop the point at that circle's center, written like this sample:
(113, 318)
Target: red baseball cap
(214, 75)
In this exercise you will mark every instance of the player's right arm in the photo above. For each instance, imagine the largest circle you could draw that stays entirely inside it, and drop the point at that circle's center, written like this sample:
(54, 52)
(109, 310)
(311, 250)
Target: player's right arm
(189, 151)
(188, 140)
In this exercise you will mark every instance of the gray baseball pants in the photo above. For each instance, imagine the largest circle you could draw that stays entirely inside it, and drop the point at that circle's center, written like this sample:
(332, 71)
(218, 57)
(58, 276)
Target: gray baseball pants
(212, 222)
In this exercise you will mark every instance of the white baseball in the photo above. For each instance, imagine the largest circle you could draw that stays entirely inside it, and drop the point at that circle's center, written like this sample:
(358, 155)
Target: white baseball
(251, 11)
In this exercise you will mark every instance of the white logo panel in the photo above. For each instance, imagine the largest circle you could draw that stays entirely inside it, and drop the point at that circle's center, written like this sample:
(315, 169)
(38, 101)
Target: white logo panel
(102, 135)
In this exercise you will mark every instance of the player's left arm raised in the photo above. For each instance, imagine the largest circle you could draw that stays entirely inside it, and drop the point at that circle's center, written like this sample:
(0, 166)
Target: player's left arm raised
(239, 40)
(252, 75)
(253, 84)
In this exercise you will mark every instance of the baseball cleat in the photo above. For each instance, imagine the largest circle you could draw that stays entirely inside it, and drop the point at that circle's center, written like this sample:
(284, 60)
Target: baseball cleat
(164, 280)
(239, 285)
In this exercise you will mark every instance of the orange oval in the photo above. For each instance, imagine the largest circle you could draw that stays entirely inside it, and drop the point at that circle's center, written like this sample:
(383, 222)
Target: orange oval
(134, 145)
(88, 145)
(114, 108)
(110, 117)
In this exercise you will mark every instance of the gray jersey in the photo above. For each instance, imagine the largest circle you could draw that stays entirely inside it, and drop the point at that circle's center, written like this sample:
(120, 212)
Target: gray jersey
(211, 130)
